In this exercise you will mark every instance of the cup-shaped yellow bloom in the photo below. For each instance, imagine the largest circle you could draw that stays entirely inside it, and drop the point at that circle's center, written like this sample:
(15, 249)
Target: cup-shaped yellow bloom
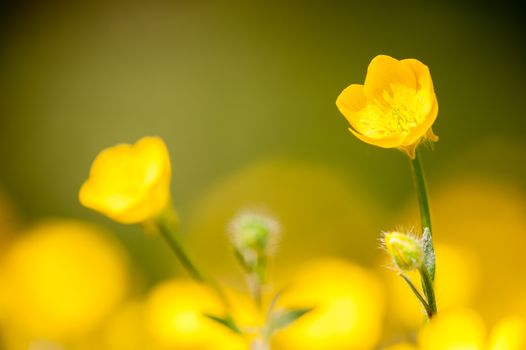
(129, 183)
(395, 107)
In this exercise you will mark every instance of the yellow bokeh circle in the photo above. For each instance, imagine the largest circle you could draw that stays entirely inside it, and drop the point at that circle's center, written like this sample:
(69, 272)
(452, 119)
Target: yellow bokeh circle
(61, 278)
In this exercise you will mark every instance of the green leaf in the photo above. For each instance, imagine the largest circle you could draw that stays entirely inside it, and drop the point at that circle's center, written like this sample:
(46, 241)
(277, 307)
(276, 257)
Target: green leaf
(429, 253)
(225, 321)
(284, 318)
(417, 293)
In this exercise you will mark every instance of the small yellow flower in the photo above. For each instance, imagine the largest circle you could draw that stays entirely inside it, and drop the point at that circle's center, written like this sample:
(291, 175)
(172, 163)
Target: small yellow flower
(129, 183)
(395, 107)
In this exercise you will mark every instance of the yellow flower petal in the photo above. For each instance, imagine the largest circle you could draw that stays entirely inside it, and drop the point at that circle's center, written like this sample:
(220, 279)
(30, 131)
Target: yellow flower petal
(387, 142)
(422, 74)
(351, 100)
(385, 71)
(422, 130)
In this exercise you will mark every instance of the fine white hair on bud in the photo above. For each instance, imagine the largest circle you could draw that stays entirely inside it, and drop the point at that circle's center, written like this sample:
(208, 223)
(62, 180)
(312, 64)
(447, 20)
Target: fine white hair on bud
(406, 250)
(254, 233)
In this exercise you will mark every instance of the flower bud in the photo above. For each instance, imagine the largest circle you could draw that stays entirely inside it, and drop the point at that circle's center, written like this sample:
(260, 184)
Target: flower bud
(405, 250)
(254, 233)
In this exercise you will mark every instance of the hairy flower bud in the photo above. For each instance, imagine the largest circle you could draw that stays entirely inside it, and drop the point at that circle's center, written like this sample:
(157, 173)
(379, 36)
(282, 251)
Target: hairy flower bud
(405, 250)
(252, 232)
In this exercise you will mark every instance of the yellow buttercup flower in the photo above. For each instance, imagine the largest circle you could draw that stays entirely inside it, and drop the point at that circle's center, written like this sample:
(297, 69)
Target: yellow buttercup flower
(129, 183)
(395, 107)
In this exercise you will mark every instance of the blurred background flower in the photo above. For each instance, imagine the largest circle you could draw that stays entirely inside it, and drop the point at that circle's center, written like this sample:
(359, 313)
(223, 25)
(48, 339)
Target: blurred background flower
(348, 307)
(243, 94)
(175, 317)
(464, 329)
(60, 280)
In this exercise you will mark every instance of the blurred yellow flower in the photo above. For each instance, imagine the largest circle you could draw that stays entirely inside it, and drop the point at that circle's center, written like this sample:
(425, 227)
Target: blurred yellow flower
(395, 107)
(468, 212)
(125, 329)
(348, 308)
(129, 183)
(174, 316)
(464, 329)
(509, 334)
(61, 279)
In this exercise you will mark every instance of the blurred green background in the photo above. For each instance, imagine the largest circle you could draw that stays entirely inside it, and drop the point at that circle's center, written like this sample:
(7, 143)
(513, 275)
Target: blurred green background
(244, 94)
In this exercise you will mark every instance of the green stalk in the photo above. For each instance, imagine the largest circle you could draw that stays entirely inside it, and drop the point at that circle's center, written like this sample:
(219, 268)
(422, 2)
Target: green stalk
(429, 291)
(170, 237)
(421, 190)
(169, 233)
(427, 272)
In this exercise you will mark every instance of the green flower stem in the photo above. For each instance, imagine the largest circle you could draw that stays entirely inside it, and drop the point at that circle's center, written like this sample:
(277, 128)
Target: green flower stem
(170, 237)
(169, 233)
(421, 190)
(255, 273)
(259, 277)
(427, 276)
(429, 291)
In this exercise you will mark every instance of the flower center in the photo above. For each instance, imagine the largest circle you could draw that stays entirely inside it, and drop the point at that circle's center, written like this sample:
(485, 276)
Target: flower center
(396, 113)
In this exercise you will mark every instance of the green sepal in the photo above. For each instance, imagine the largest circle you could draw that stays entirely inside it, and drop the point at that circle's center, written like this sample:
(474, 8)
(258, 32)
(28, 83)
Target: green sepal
(226, 321)
(429, 252)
